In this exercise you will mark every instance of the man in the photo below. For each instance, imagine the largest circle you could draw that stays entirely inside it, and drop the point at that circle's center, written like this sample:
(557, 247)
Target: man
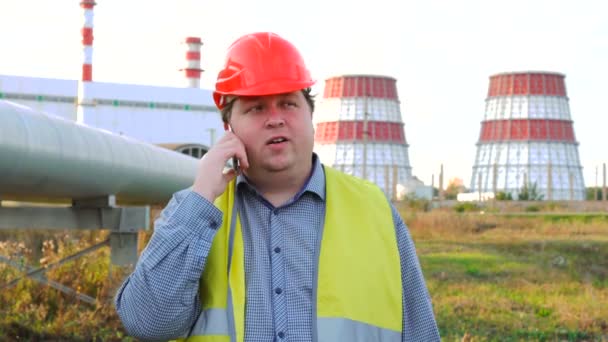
(284, 249)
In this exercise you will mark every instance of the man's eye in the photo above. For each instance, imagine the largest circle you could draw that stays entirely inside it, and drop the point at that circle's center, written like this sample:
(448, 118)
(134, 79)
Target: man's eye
(254, 109)
(290, 104)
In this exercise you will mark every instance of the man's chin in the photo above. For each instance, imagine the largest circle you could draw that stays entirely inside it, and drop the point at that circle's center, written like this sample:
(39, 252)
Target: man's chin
(277, 166)
(276, 169)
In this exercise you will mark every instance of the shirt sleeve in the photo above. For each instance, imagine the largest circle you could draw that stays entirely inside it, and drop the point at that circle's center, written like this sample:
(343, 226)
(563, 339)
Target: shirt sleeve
(159, 300)
(418, 317)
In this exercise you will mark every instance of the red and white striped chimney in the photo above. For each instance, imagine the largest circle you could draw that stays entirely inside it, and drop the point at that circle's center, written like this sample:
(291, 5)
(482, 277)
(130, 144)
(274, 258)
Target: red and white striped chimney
(84, 100)
(193, 62)
(87, 40)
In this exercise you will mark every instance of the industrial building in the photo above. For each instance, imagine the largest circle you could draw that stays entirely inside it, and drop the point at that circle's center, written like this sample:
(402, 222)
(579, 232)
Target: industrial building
(183, 119)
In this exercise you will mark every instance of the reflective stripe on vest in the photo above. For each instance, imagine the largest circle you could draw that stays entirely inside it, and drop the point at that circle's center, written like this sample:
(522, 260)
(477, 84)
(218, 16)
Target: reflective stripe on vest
(214, 323)
(359, 295)
(332, 329)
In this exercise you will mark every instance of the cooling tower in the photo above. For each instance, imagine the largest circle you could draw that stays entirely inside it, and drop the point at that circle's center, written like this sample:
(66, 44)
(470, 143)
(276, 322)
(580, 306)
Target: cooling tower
(527, 138)
(359, 130)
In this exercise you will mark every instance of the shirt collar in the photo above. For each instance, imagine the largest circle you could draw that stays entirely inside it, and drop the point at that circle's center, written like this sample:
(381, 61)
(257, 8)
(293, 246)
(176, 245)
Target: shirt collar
(314, 184)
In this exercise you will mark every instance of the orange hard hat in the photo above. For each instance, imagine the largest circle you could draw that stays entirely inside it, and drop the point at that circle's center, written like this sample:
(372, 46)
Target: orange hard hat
(261, 64)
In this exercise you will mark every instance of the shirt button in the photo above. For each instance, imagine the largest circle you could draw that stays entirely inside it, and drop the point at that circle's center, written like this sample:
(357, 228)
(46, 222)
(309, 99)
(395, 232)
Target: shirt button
(281, 334)
(278, 290)
(277, 250)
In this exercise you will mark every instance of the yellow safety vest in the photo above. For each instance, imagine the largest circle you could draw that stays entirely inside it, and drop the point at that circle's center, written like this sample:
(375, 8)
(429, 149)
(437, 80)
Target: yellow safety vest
(359, 294)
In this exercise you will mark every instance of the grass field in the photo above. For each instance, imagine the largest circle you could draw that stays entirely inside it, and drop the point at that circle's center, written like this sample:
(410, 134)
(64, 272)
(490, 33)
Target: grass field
(512, 278)
(492, 277)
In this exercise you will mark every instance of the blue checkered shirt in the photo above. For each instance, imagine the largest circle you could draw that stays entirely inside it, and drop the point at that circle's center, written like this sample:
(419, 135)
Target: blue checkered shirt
(159, 300)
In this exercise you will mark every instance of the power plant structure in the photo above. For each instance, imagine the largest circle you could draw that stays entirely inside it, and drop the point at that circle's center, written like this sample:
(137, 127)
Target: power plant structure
(359, 130)
(183, 119)
(527, 139)
(80, 154)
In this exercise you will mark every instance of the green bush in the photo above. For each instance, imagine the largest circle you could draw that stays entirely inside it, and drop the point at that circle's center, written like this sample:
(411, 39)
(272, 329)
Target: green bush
(503, 196)
(466, 207)
(529, 192)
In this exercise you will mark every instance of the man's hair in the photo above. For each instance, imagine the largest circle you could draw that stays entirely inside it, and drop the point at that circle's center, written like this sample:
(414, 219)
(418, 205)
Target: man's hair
(227, 110)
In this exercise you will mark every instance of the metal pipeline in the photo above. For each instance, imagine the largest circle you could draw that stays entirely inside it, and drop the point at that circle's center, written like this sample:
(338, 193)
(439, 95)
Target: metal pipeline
(45, 157)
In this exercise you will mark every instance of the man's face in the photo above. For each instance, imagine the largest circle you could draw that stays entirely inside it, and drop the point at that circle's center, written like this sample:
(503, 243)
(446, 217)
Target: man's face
(276, 130)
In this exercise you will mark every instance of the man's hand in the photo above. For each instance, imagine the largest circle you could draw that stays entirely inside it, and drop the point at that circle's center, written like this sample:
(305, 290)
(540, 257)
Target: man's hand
(211, 177)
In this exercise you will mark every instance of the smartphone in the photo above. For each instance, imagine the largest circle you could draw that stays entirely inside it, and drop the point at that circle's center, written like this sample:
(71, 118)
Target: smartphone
(235, 161)
(235, 164)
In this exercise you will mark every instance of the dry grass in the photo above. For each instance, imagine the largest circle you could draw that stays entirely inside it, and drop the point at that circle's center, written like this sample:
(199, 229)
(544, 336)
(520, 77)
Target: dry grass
(491, 277)
(501, 278)
(33, 311)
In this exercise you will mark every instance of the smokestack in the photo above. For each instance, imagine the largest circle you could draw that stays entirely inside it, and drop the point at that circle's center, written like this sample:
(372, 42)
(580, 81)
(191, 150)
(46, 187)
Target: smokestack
(193, 62)
(87, 40)
(87, 60)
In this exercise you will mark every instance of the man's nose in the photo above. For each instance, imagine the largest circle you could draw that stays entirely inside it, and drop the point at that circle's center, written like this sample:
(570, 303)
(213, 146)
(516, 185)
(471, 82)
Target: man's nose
(275, 117)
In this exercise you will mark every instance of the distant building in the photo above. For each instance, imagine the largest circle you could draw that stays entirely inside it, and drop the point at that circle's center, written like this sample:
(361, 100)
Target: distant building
(182, 118)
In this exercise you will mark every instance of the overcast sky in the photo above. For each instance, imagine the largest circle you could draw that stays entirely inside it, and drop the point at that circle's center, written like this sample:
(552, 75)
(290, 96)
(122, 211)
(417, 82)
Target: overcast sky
(440, 52)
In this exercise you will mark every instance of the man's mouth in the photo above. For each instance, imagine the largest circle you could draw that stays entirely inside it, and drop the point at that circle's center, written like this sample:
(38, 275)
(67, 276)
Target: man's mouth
(276, 140)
